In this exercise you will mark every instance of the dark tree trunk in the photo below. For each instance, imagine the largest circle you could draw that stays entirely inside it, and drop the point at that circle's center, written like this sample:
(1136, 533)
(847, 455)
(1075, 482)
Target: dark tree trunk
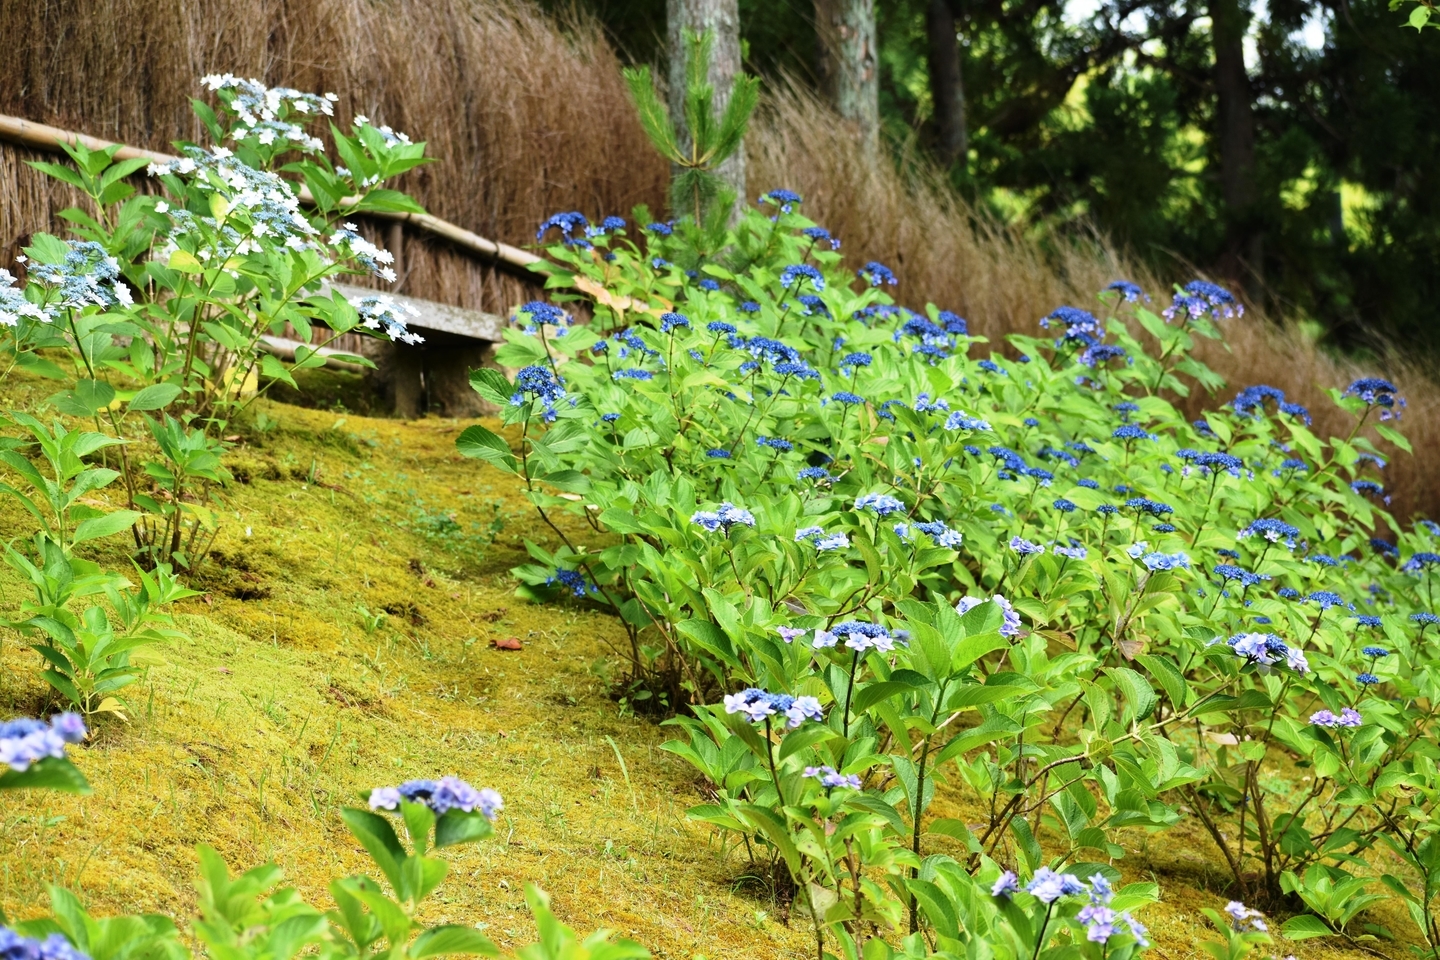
(1235, 113)
(849, 64)
(721, 19)
(947, 85)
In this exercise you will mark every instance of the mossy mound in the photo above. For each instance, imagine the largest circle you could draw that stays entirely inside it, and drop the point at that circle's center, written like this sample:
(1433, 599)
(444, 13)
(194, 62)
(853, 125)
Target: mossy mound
(345, 642)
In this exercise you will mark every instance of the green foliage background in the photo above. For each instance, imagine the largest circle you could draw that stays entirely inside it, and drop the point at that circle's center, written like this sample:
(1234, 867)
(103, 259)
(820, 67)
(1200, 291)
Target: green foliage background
(1111, 120)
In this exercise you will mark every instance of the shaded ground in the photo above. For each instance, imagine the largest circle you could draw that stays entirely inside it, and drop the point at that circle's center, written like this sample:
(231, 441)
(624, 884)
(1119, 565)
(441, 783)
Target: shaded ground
(355, 590)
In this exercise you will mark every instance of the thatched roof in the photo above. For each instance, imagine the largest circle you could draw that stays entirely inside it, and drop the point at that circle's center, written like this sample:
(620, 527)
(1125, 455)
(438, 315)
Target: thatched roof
(526, 120)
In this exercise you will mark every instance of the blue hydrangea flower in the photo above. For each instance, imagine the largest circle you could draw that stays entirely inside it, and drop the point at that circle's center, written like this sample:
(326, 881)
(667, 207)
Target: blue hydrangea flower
(1047, 886)
(1166, 561)
(1146, 505)
(818, 474)
(1275, 531)
(441, 796)
(1373, 390)
(782, 198)
(797, 273)
(819, 235)
(1420, 561)
(673, 321)
(1327, 599)
(724, 517)
(1064, 506)
(539, 383)
(571, 226)
(878, 274)
(1366, 621)
(1006, 886)
(573, 581)
(717, 453)
(1367, 679)
(775, 443)
(882, 503)
(1228, 571)
(1375, 653)
(1128, 291)
(846, 397)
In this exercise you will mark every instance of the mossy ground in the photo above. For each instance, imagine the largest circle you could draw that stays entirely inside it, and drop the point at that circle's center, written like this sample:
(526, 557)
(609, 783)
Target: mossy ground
(293, 697)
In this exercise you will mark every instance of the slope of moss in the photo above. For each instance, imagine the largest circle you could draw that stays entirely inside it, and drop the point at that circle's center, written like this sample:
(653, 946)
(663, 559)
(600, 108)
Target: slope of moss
(345, 642)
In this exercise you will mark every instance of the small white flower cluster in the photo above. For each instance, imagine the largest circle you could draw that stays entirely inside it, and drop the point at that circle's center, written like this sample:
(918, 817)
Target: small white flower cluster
(88, 276)
(13, 304)
(252, 100)
(380, 312)
(376, 259)
(261, 205)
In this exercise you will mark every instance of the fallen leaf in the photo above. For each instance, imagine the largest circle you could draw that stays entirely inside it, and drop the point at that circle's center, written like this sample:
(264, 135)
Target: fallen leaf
(507, 643)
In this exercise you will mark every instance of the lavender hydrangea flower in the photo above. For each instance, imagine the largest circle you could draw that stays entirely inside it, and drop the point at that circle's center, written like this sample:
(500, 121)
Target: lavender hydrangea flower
(757, 705)
(830, 778)
(1024, 547)
(25, 741)
(1348, 717)
(441, 796)
(1047, 886)
(1006, 885)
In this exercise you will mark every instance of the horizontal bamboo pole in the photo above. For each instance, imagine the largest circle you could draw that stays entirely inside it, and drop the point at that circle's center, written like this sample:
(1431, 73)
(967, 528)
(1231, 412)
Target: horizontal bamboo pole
(42, 136)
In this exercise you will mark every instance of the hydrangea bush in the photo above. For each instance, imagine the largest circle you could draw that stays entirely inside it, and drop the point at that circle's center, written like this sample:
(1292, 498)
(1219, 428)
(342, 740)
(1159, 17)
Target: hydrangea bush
(151, 321)
(860, 551)
(152, 318)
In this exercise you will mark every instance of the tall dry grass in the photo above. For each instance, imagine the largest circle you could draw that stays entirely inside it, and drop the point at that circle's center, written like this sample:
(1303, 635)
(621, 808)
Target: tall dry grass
(524, 117)
(528, 116)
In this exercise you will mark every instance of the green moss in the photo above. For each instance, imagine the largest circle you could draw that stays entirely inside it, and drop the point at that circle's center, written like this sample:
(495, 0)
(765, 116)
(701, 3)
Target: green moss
(293, 697)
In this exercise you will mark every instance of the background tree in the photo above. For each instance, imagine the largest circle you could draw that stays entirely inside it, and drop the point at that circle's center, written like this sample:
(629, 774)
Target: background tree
(720, 21)
(848, 64)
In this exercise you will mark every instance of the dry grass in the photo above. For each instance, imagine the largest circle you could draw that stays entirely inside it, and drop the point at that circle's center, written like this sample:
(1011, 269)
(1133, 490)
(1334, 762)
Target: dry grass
(528, 118)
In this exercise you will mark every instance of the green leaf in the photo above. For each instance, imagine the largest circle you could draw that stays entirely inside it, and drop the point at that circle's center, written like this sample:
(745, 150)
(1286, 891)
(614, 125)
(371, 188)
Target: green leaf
(86, 397)
(1305, 927)
(1390, 433)
(105, 526)
(51, 773)
(378, 838)
(483, 444)
(451, 939)
(492, 386)
(455, 827)
(157, 396)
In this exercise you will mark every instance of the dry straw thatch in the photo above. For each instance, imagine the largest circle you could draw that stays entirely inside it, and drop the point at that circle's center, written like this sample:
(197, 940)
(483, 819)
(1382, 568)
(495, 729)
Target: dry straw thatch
(528, 118)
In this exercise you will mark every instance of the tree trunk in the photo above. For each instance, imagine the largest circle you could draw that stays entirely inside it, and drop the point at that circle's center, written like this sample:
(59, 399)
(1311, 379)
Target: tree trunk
(1236, 117)
(849, 64)
(721, 19)
(947, 85)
